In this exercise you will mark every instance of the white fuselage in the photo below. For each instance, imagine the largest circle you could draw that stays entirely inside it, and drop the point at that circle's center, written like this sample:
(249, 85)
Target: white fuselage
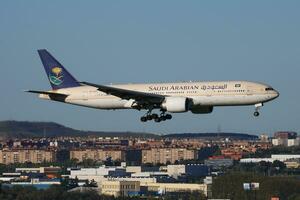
(225, 93)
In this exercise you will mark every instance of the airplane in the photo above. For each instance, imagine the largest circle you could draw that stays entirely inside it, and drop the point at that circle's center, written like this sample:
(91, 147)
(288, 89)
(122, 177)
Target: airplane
(197, 97)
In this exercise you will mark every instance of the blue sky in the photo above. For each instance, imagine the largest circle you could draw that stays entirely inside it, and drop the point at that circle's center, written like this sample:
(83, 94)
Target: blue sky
(152, 41)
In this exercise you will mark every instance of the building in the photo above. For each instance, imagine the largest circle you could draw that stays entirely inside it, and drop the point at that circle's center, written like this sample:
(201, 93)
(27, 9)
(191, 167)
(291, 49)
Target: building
(143, 180)
(133, 156)
(45, 170)
(285, 138)
(219, 163)
(279, 157)
(175, 170)
(285, 135)
(8, 156)
(264, 138)
(120, 188)
(280, 141)
(9, 176)
(292, 164)
(256, 160)
(293, 142)
(284, 157)
(133, 169)
(97, 154)
(37, 183)
(167, 155)
(51, 172)
(163, 188)
(156, 175)
(285, 142)
(96, 174)
(196, 170)
(190, 170)
(232, 153)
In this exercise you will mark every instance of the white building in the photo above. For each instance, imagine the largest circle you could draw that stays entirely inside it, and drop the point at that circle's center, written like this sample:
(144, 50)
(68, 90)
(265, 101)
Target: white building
(120, 188)
(175, 170)
(96, 174)
(284, 157)
(280, 157)
(293, 142)
(264, 138)
(285, 142)
(256, 160)
(279, 141)
(142, 180)
(149, 174)
(134, 169)
(178, 187)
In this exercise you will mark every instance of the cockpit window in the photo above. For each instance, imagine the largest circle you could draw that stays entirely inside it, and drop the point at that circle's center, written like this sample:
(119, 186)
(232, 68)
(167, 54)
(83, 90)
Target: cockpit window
(269, 89)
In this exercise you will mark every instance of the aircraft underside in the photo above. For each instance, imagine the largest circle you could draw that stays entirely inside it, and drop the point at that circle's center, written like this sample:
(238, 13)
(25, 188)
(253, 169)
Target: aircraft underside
(200, 105)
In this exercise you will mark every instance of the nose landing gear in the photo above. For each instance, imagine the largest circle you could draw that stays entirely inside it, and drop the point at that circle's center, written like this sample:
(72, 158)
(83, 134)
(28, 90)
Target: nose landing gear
(257, 107)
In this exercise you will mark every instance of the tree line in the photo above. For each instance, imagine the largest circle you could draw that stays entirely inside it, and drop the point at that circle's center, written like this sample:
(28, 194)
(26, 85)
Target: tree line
(230, 186)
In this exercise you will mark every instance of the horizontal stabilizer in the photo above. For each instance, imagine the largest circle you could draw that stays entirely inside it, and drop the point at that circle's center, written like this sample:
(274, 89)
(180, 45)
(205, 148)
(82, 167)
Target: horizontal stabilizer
(45, 92)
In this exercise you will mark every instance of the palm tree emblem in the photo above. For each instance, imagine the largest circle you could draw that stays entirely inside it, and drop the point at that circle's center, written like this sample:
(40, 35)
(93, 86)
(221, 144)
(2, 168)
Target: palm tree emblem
(56, 77)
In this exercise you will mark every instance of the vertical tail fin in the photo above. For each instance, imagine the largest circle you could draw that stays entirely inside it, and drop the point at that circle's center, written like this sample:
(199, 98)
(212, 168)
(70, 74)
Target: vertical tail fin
(58, 76)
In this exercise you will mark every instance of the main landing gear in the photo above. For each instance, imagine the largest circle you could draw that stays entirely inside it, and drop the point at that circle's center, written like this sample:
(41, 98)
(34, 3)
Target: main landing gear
(157, 118)
(257, 107)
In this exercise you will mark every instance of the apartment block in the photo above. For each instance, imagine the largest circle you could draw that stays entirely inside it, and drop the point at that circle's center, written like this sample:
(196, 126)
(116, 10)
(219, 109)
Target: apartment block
(8, 156)
(97, 154)
(167, 155)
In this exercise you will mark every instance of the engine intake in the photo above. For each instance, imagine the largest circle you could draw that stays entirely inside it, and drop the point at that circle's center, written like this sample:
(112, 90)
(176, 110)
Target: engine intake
(176, 104)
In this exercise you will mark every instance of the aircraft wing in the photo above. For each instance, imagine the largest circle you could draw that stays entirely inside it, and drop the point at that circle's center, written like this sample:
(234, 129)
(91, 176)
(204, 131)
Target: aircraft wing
(128, 94)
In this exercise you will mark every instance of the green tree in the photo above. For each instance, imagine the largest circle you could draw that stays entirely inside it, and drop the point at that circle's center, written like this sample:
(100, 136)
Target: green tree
(231, 186)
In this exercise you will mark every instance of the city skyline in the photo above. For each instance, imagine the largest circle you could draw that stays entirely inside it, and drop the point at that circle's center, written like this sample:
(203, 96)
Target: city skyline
(109, 42)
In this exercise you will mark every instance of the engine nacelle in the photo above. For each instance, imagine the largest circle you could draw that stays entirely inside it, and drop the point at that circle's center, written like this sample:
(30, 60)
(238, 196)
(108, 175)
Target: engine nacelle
(202, 109)
(176, 104)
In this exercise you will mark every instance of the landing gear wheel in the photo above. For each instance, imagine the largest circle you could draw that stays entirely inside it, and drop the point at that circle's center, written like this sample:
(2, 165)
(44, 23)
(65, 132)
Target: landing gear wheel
(143, 119)
(257, 107)
(149, 117)
(168, 116)
(154, 116)
(163, 118)
(157, 119)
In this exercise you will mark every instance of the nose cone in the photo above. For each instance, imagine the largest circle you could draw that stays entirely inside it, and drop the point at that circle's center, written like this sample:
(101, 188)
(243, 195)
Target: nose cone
(275, 94)
(271, 93)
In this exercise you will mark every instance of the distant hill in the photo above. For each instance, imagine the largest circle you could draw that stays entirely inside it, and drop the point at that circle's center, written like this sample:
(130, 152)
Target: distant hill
(25, 129)
(237, 136)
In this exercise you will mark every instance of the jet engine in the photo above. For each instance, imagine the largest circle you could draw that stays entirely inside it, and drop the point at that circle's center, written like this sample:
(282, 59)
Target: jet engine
(176, 104)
